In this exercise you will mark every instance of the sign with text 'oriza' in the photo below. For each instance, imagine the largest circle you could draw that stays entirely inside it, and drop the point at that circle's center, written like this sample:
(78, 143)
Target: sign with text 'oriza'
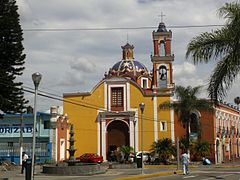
(15, 130)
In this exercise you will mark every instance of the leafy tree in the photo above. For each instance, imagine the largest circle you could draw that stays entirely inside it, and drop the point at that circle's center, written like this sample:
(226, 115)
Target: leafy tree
(201, 149)
(183, 144)
(186, 105)
(164, 148)
(11, 58)
(222, 45)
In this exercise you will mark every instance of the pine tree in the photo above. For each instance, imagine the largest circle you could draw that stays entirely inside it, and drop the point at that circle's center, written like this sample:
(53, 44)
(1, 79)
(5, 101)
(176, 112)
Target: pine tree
(11, 58)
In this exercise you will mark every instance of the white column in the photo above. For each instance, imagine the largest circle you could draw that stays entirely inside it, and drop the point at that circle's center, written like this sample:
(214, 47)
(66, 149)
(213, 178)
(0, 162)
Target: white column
(136, 130)
(172, 125)
(56, 144)
(131, 131)
(104, 139)
(105, 96)
(99, 133)
(128, 96)
(155, 117)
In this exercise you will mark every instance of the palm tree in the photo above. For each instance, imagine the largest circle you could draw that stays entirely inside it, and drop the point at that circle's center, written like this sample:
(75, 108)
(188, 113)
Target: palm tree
(164, 148)
(222, 45)
(183, 144)
(237, 101)
(187, 105)
(126, 151)
(201, 149)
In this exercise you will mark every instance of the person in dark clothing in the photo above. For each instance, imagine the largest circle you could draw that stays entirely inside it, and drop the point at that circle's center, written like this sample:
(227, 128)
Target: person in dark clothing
(24, 160)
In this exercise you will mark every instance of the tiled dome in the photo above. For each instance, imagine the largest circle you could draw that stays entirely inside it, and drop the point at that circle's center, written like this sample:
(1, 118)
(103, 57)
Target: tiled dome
(129, 66)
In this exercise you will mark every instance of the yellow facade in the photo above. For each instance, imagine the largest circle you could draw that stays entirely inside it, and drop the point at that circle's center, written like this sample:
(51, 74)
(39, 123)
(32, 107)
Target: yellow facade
(83, 112)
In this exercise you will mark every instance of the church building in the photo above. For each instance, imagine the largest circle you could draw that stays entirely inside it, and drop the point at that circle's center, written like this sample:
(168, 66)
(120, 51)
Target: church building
(110, 116)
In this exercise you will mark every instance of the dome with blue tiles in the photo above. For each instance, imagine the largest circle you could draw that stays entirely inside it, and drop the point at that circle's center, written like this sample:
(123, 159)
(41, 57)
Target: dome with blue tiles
(128, 67)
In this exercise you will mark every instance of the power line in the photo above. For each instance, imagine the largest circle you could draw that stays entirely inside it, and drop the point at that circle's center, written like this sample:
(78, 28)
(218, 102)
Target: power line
(98, 108)
(116, 28)
(63, 100)
(60, 98)
(88, 105)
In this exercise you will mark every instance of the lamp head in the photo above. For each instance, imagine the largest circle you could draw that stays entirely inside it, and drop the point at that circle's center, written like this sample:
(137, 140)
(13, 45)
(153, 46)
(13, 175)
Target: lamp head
(142, 105)
(36, 77)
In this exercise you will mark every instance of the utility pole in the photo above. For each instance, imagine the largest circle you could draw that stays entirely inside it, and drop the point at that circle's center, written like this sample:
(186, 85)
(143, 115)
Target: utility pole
(21, 139)
(178, 156)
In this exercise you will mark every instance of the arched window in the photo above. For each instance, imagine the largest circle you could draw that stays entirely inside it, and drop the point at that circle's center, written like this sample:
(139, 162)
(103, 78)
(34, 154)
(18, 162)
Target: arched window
(162, 51)
(162, 76)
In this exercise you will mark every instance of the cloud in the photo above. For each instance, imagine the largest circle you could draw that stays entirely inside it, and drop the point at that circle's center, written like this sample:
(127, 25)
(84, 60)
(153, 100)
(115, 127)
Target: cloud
(75, 60)
(184, 70)
(83, 65)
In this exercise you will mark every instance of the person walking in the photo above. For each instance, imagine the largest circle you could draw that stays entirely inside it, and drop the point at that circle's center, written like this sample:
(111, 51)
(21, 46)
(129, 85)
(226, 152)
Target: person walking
(185, 162)
(24, 161)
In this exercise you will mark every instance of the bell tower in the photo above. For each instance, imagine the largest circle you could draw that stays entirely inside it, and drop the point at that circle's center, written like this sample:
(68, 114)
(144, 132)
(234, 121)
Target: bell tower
(162, 61)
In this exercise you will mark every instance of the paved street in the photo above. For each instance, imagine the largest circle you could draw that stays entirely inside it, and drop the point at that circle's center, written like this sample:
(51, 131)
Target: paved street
(205, 174)
(196, 173)
(110, 174)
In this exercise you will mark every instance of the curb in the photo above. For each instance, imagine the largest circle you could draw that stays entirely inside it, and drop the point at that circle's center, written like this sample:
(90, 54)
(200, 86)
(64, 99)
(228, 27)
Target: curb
(228, 166)
(167, 166)
(150, 175)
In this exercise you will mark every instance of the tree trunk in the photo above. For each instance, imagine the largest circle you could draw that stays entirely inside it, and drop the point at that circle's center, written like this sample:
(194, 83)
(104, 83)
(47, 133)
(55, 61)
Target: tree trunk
(187, 134)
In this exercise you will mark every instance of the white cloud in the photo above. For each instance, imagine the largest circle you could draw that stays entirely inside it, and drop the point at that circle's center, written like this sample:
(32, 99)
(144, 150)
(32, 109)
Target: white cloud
(73, 61)
(184, 70)
(83, 65)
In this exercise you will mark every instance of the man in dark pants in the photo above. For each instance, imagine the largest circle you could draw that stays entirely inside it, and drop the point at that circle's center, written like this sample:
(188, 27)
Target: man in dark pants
(24, 160)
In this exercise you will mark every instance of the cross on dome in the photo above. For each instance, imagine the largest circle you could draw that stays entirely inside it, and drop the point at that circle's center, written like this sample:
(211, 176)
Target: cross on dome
(161, 16)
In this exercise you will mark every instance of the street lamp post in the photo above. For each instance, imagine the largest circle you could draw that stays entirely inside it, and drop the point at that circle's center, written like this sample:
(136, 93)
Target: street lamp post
(142, 105)
(36, 77)
(134, 136)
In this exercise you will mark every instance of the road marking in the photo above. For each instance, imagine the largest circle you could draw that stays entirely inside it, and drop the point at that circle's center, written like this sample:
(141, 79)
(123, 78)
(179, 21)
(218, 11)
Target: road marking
(186, 177)
(206, 172)
(225, 175)
(217, 177)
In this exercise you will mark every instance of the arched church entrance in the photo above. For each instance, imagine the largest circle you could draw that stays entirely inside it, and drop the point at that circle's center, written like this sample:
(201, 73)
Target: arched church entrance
(117, 135)
(195, 133)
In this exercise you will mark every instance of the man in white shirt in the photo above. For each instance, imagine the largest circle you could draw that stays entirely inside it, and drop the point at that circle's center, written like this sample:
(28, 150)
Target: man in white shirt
(24, 161)
(185, 162)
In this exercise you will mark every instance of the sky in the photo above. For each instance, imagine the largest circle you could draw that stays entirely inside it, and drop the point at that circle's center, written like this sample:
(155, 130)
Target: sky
(75, 59)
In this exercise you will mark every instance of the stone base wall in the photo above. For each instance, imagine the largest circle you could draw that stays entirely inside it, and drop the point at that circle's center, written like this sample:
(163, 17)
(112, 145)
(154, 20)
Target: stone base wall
(79, 170)
(122, 166)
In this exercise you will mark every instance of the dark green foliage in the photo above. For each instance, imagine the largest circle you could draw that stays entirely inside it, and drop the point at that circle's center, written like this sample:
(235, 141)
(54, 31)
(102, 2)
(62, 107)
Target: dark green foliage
(200, 149)
(164, 148)
(187, 105)
(183, 144)
(126, 150)
(11, 58)
(222, 45)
